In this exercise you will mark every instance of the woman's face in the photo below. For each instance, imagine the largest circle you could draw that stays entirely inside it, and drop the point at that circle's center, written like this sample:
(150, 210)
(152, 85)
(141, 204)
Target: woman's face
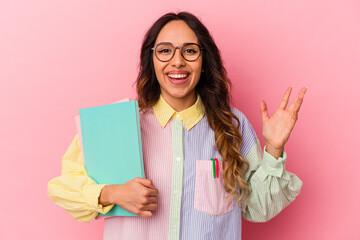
(177, 77)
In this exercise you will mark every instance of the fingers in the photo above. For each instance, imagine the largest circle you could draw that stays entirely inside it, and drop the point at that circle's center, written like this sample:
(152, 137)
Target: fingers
(149, 189)
(295, 106)
(138, 196)
(151, 200)
(144, 206)
(285, 99)
(145, 182)
(144, 210)
(145, 214)
(150, 207)
(151, 192)
(263, 110)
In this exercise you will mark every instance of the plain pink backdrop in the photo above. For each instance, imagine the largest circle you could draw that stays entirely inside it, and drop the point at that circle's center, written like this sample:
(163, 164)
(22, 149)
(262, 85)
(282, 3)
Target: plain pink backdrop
(59, 56)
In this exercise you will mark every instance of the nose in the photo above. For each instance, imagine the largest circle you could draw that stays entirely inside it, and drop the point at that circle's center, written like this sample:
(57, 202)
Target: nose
(177, 60)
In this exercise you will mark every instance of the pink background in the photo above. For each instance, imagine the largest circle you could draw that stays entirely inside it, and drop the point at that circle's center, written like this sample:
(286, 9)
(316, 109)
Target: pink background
(59, 56)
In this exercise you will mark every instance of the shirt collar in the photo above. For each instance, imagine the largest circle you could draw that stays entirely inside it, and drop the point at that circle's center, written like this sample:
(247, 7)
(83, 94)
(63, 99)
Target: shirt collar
(190, 116)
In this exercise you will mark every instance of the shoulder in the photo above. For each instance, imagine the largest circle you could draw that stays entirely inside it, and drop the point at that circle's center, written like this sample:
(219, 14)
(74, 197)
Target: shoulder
(240, 115)
(245, 127)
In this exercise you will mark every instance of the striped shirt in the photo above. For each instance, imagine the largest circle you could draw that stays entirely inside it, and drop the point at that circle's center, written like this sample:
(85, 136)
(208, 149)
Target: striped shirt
(192, 204)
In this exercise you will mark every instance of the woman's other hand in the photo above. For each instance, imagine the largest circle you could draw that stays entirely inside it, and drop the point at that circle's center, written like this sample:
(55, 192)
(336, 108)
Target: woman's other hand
(277, 128)
(138, 196)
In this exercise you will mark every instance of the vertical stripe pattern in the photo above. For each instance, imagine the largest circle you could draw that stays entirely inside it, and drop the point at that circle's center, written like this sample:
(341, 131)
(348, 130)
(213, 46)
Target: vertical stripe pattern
(177, 179)
(177, 154)
(199, 145)
(158, 161)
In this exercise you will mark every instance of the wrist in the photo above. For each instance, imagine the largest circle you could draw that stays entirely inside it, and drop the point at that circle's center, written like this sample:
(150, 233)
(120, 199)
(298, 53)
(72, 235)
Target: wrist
(105, 196)
(275, 152)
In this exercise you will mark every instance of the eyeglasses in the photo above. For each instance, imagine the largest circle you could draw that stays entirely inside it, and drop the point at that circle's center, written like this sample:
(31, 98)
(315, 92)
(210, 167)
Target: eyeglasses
(165, 51)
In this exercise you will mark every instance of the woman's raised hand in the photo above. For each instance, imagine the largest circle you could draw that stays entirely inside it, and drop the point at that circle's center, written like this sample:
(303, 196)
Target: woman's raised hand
(138, 196)
(277, 128)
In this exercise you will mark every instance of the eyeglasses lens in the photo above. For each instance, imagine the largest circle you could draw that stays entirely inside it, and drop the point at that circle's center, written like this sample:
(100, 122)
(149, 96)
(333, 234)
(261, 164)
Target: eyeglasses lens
(165, 52)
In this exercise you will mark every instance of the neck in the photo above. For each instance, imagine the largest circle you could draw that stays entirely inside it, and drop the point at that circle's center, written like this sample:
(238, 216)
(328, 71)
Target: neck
(180, 104)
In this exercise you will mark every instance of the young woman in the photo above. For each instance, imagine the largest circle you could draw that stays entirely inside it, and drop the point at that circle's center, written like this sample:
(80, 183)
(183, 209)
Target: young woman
(186, 120)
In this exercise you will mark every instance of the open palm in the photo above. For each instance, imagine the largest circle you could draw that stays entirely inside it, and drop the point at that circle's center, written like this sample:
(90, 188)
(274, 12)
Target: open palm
(277, 128)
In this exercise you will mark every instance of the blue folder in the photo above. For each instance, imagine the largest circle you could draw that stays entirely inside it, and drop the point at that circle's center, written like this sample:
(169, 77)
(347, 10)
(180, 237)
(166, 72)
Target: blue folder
(111, 139)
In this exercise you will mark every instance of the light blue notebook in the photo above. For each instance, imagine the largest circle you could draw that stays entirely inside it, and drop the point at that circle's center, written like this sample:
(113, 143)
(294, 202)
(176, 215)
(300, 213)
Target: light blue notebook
(111, 140)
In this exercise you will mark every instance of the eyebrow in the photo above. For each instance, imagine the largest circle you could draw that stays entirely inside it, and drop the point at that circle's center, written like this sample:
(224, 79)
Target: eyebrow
(173, 44)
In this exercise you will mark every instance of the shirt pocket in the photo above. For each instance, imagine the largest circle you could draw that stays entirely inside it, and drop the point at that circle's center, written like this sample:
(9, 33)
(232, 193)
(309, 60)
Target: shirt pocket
(210, 195)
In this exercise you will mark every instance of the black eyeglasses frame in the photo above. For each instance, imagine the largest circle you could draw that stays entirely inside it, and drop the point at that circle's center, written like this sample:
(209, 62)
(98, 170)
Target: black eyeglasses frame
(174, 49)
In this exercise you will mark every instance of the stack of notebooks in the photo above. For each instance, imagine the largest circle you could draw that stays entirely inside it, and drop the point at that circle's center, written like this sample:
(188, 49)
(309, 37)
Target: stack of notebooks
(111, 141)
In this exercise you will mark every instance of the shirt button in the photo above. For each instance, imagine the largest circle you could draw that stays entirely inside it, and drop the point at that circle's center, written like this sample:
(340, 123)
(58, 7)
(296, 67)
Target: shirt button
(178, 115)
(178, 159)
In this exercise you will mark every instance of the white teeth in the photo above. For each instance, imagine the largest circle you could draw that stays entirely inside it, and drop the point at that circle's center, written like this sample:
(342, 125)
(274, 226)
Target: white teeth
(178, 75)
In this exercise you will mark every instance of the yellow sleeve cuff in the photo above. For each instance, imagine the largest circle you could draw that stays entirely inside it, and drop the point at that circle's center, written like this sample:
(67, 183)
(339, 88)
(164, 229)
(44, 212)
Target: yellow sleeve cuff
(92, 194)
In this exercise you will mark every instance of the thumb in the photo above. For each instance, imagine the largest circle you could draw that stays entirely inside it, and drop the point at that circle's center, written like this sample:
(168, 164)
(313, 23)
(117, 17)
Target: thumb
(263, 110)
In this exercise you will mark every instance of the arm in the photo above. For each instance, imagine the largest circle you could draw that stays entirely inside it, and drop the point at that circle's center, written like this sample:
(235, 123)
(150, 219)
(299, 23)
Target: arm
(272, 187)
(74, 191)
(83, 198)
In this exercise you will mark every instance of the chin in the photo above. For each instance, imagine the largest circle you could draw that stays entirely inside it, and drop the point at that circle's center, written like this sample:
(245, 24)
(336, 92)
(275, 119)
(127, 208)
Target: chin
(179, 95)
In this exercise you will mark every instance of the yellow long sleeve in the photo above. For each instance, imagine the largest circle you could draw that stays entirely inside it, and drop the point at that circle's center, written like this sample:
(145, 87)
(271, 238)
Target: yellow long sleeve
(74, 190)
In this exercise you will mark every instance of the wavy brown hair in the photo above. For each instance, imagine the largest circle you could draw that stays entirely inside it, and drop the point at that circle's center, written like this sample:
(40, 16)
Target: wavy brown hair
(213, 88)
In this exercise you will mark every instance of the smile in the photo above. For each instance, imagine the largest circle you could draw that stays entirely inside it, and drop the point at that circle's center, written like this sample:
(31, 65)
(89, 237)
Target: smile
(178, 79)
(178, 76)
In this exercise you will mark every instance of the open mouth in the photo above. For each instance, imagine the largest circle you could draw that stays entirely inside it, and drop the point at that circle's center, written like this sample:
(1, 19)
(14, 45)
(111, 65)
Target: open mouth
(178, 77)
